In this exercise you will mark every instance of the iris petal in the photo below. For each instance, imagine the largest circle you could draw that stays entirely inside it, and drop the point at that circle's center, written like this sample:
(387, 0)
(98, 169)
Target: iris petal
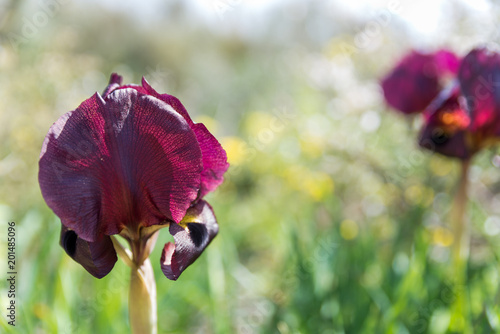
(479, 77)
(98, 257)
(121, 161)
(444, 131)
(114, 82)
(214, 157)
(446, 62)
(190, 241)
(415, 81)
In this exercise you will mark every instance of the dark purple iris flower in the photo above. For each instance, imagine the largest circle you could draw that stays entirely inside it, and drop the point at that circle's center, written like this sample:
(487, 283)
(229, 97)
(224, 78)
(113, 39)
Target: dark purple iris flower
(130, 162)
(446, 122)
(465, 117)
(417, 79)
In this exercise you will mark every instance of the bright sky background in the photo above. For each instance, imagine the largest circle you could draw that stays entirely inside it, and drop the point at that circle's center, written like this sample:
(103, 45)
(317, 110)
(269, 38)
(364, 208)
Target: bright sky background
(424, 17)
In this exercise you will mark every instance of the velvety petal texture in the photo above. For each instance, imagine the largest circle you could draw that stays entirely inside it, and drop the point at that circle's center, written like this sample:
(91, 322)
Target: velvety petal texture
(445, 126)
(124, 161)
(417, 79)
(191, 237)
(214, 157)
(98, 257)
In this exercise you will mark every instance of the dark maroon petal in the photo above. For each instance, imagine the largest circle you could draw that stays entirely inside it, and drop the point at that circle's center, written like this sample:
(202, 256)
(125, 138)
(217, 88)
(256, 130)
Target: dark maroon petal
(171, 100)
(479, 77)
(123, 161)
(415, 81)
(201, 228)
(214, 157)
(114, 82)
(138, 88)
(445, 131)
(98, 257)
(436, 139)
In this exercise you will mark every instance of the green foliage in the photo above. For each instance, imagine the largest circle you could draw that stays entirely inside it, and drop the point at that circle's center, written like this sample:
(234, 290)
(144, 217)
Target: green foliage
(331, 219)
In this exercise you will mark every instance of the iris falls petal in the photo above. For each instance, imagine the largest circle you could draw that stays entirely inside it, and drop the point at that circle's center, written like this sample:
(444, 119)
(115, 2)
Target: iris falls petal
(98, 257)
(191, 237)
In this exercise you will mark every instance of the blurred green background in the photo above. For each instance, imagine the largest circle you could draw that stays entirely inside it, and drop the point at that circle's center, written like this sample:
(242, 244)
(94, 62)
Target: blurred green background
(332, 220)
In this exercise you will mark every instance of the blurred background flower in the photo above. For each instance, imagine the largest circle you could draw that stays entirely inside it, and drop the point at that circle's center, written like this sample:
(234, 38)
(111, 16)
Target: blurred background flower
(417, 79)
(332, 219)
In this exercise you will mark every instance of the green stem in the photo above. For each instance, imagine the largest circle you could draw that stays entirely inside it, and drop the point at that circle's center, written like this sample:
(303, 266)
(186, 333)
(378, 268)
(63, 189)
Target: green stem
(142, 299)
(122, 252)
(142, 294)
(459, 322)
(460, 231)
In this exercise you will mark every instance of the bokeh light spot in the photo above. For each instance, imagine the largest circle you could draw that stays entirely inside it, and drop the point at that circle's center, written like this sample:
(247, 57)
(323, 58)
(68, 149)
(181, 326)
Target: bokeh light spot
(440, 166)
(442, 237)
(235, 150)
(349, 229)
(492, 225)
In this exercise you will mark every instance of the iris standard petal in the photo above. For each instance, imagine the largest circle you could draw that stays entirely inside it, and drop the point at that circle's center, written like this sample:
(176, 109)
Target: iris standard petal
(214, 159)
(98, 257)
(114, 82)
(479, 77)
(446, 62)
(191, 237)
(214, 156)
(445, 125)
(415, 81)
(128, 160)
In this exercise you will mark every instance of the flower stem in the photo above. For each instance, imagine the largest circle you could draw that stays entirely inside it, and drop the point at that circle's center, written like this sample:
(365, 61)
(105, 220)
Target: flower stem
(142, 295)
(460, 232)
(142, 299)
(122, 252)
(460, 254)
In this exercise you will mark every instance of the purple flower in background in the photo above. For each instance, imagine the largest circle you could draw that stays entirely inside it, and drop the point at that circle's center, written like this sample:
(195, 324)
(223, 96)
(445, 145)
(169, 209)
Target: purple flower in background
(479, 78)
(446, 122)
(130, 162)
(417, 79)
(465, 117)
